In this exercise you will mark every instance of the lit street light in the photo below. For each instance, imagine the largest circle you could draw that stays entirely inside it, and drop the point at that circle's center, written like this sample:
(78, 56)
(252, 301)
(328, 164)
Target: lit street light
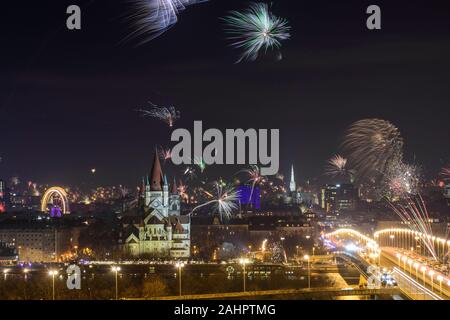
(416, 266)
(244, 262)
(180, 266)
(423, 269)
(5, 273)
(306, 257)
(53, 273)
(440, 278)
(116, 270)
(431, 273)
(25, 271)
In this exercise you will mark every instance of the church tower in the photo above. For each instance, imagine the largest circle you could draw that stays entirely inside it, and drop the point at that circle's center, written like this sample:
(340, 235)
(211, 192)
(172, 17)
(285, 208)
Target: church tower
(147, 192)
(165, 192)
(292, 185)
(157, 188)
(174, 202)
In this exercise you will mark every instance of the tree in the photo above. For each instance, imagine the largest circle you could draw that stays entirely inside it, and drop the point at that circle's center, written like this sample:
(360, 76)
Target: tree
(154, 287)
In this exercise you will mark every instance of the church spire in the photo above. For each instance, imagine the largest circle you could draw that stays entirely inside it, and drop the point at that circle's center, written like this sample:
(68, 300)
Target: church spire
(174, 186)
(292, 185)
(156, 176)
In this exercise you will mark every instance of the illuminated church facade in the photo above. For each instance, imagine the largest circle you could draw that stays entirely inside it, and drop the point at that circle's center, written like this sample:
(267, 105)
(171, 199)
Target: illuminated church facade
(157, 228)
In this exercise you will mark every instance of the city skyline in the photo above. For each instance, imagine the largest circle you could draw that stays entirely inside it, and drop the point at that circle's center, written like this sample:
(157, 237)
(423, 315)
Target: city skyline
(225, 150)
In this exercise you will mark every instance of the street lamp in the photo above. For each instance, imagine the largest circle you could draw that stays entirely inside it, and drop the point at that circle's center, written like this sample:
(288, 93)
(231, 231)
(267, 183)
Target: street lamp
(5, 273)
(423, 269)
(53, 273)
(431, 273)
(416, 266)
(25, 272)
(244, 262)
(306, 257)
(116, 270)
(179, 265)
(392, 237)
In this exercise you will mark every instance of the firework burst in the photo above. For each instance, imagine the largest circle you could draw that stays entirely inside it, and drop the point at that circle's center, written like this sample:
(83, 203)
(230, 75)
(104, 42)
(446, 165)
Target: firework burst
(200, 164)
(413, 212)
(225, 200)
(182, 190)
(372, 145)
(254, 177)
(445, 173)
(401, 180)
(151, 18)
(189, 173)
(165, 154)
(337, 167)
(255, 29)
(166, 114)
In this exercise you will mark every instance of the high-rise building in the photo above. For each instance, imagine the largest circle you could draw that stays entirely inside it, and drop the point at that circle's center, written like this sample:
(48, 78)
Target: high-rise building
(346, 197)
(328, 198)
(339, 197)
(37, 243)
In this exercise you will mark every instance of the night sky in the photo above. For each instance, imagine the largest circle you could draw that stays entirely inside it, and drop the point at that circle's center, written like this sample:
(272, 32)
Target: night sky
(68, 98)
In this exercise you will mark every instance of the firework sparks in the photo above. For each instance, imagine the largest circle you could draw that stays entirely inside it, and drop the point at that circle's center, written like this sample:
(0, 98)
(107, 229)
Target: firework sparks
(165, 154)
(414, 214)
(182, 190)
(15, 181)
(189, 172)
(337, 167)
(401, 179)
(152, 18)
(446, 172)
(278, 254)
(225, 201)
(200, 164)
(123, 191)
(255, 29)
(372, 145)
(166, 114)
(255, 177)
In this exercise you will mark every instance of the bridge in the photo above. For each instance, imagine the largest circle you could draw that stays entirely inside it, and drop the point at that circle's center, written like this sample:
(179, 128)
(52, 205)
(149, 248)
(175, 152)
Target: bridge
(301, 294)
(417, 260)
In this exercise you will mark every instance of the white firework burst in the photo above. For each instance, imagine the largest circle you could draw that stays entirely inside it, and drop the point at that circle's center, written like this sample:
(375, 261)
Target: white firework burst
(225, 201)
(166, 114)
(255, 29)
(151, 18)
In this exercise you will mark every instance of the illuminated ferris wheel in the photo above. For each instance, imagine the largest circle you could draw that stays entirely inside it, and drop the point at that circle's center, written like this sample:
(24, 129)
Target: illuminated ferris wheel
(55, 202)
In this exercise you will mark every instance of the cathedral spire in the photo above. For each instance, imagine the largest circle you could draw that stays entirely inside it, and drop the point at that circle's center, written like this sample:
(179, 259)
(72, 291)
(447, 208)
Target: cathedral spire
(156, 176)
(292, 185)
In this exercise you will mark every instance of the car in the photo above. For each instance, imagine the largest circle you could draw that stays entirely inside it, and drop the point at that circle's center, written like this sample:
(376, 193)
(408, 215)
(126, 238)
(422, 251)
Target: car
(387, 280)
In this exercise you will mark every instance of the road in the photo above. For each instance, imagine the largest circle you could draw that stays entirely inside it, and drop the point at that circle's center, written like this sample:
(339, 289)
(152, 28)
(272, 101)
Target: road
(414, 282)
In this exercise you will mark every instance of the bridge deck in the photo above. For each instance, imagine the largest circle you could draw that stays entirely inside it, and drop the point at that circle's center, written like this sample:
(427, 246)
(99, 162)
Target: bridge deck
(299, 293)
